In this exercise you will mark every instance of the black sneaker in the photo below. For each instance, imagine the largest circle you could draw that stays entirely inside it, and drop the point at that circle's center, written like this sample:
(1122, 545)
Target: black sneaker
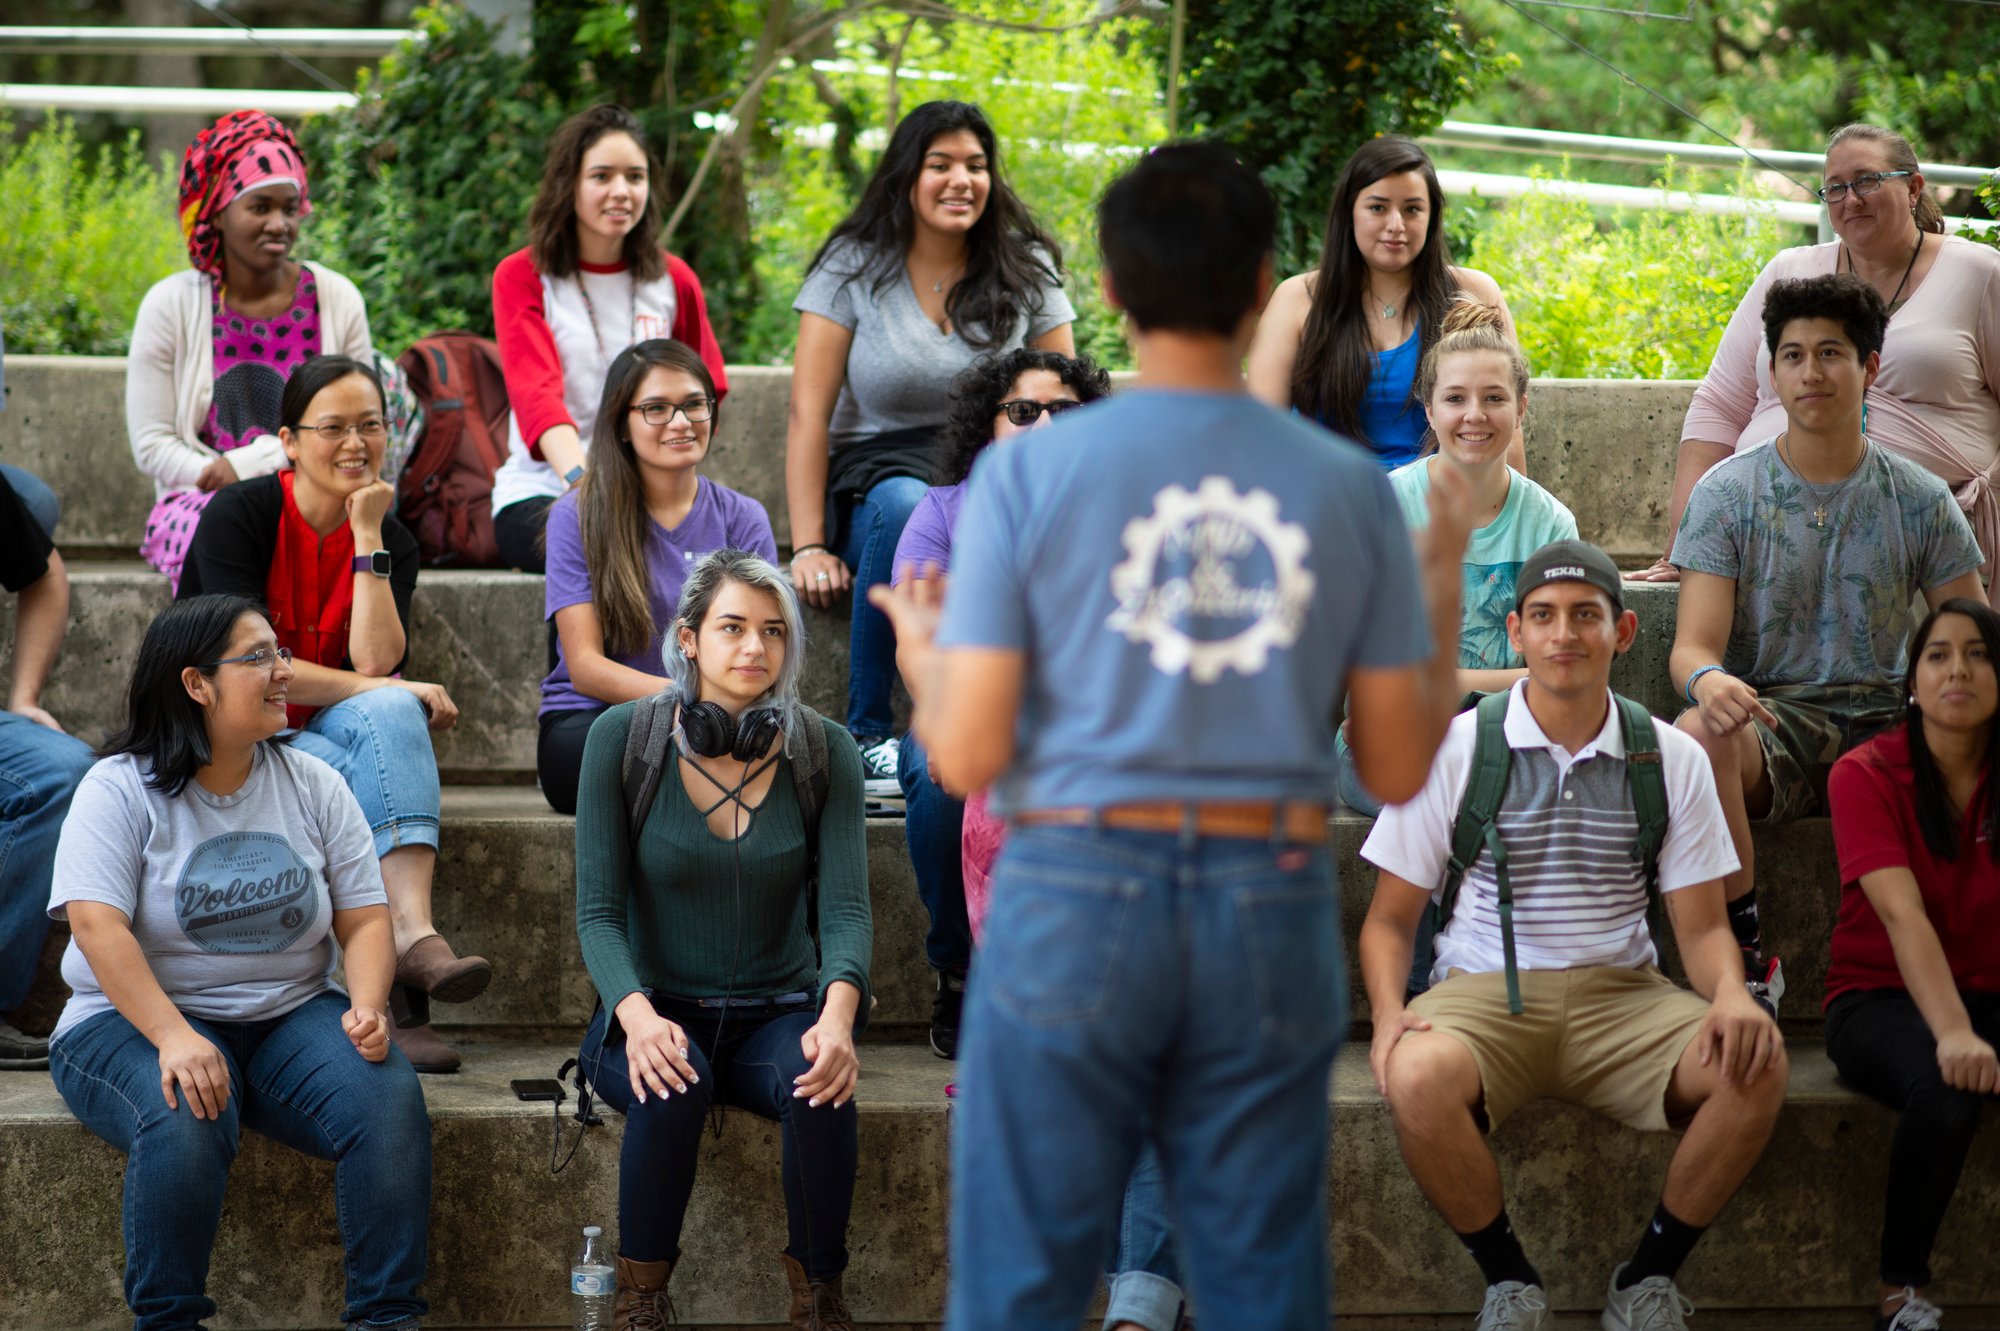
(28, 1053)
(945, 1009)
(878, 767)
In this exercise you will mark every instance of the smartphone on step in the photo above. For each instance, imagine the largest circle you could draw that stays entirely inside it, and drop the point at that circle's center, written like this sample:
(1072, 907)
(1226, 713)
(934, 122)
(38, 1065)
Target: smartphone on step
(537, 1088)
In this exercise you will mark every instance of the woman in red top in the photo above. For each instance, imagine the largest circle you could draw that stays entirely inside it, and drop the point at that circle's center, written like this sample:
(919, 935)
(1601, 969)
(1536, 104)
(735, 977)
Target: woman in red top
(317, 547)
(1913, 986)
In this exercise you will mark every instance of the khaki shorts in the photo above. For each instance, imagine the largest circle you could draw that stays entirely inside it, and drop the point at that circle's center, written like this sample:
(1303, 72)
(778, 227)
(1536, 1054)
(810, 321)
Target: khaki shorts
(1816, 724)
(1603, 1037)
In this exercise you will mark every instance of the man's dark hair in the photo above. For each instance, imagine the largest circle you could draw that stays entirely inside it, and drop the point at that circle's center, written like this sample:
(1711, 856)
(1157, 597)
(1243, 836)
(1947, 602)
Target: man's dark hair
(1841, 297)
(1185, 234)
(982, 386)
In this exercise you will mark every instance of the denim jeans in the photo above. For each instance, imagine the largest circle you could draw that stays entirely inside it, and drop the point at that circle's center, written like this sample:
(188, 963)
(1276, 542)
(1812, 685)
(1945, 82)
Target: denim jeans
(1145, 1273)
(297, 1080)
(39, 769)
(934, 824)
(35, 496)
(380, 743)
(1133, 978)
(752, 1068)
(869, 548)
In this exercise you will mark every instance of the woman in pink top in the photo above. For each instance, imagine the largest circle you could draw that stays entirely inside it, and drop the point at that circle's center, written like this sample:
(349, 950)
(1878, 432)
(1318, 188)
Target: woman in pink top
(1937, 400)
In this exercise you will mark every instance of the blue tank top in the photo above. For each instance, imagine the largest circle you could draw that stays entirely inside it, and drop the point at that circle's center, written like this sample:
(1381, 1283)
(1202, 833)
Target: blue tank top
(1394, 424)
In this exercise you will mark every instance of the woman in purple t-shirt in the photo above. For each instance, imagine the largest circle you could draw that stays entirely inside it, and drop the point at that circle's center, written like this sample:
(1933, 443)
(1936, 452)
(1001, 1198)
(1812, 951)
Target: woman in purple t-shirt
(619, 546)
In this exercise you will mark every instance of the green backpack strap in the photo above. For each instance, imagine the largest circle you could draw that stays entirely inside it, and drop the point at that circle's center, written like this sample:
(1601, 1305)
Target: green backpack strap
(1646, 783)
(1477, 829)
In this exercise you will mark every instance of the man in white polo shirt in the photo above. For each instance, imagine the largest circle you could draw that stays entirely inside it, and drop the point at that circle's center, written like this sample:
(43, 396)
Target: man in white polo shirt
(1546, 980)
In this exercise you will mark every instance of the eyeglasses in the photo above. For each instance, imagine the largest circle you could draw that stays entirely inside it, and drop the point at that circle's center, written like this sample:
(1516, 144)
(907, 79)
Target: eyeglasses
(372, 431)
(264, 658)
(696, 410)
(1026, 411)
(1862, 185)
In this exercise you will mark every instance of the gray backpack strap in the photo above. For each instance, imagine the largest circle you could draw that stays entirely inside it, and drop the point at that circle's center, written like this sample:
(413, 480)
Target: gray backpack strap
(812, 770)
(646, 745)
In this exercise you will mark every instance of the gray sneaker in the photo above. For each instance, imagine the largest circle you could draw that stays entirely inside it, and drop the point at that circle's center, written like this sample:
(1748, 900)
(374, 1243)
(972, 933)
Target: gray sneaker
(1654, 1304)
(1917, 1314)
(1513, 1306)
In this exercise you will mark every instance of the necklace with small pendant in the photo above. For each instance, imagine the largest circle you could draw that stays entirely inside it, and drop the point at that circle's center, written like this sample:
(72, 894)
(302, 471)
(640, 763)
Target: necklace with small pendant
(1822, 495)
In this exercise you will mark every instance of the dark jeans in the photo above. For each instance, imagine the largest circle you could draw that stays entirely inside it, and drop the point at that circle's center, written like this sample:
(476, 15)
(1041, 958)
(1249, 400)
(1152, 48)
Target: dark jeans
(1882, 1046)
(517, 530)
(297, 1080)
(869, 547)
(753, 1069)
(559, 754)
(39, 769)
(934, 823)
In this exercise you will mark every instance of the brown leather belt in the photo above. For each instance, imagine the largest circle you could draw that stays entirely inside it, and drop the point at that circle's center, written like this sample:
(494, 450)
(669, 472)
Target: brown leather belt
(1295, 821)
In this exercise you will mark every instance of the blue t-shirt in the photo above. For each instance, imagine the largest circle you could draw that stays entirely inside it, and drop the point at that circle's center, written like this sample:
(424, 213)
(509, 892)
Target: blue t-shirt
(1390, 418)
(1191, 576)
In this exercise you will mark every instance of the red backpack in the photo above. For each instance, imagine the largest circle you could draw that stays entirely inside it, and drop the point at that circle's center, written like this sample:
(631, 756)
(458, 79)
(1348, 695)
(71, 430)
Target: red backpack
(445, 494)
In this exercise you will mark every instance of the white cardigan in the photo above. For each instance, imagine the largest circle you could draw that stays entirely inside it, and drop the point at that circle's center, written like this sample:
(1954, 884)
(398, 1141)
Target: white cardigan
(170, 376)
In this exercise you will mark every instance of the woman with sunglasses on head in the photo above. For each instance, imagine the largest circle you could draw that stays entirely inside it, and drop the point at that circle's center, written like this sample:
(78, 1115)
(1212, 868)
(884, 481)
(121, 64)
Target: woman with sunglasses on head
(938, 264)
(1913, 979)
(592, 281)
(319, 548)
(1341, 345)
(213, 346)
(620, 545)
(208, 870)
(697, 926)
(1936, 399)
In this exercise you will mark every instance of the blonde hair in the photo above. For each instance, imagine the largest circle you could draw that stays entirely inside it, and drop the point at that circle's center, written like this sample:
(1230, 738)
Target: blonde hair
(1470, 325)
(1902, 157)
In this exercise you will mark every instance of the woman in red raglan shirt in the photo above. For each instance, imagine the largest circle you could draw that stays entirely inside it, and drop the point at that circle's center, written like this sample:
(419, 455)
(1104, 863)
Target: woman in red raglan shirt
(1913, 983)
(592, 281)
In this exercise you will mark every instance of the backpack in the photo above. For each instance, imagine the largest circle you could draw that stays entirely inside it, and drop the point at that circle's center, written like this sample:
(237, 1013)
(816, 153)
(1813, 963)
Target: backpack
(1477, 827)
(445, 495)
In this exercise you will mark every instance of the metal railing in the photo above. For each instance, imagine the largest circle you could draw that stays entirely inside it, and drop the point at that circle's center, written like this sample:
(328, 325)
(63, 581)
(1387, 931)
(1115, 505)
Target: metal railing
(351, 43)
(197, 101)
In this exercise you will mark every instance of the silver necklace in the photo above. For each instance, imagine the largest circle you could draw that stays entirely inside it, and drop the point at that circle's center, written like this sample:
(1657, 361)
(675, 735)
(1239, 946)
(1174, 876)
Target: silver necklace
(1823, 495)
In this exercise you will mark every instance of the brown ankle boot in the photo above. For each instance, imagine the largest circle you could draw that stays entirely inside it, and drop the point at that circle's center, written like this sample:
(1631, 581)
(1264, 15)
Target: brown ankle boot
(817, 1305)
(643, 1304)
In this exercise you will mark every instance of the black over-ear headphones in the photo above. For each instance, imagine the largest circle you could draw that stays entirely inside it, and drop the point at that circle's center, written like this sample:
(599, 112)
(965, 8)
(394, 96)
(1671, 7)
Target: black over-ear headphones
(711, 731)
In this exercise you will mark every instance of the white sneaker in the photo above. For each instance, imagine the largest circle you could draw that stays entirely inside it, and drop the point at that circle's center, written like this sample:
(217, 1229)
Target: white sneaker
(1654, 1304)
(878, 768)
(1513, 1306)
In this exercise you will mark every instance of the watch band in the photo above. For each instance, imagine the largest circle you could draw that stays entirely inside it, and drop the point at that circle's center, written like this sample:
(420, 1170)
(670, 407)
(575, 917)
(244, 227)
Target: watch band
(573, 475)
(376, 562)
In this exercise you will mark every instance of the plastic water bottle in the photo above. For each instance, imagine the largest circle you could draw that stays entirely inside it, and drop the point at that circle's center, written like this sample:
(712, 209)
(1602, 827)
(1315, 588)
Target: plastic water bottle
(593, 1282)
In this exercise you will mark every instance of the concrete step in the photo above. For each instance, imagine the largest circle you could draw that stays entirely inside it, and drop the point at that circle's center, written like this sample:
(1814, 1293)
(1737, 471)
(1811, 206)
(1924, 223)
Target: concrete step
(1605, 447)
(1799, 1240)
(482, 635)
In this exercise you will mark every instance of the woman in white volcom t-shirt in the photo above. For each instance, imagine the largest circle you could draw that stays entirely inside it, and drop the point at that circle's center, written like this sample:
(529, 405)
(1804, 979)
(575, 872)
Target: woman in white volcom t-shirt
(207, 871)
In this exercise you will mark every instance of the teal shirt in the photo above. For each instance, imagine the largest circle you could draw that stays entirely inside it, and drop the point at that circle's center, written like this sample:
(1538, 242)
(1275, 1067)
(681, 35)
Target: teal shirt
(666, 919)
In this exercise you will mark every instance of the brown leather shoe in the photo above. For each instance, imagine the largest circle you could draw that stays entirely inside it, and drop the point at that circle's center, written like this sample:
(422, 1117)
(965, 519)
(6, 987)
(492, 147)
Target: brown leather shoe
(431, 967)
(643, 1304)
(817, 1305)
(421, 1045)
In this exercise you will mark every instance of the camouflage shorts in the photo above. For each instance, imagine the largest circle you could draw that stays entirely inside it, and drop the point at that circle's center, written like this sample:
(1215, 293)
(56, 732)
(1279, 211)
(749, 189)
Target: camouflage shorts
(1816, 724)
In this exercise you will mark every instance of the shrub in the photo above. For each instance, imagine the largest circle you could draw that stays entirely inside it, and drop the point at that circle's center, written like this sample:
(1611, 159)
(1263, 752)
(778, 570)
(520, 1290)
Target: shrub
(82, 236)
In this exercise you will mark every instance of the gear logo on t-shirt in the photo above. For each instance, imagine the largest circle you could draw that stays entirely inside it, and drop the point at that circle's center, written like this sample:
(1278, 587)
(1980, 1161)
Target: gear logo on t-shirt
(1213, 580)
(246, 892)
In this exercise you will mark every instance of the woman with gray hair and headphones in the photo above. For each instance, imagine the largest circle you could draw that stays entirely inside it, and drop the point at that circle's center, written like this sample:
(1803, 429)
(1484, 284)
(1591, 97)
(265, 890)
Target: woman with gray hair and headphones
(695, 910)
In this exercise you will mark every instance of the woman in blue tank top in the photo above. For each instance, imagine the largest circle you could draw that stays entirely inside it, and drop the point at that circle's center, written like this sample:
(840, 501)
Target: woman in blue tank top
(1341, 345)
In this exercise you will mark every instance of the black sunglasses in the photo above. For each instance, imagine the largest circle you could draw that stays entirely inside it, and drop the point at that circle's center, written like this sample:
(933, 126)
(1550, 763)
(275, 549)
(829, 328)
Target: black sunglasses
(1026, 411)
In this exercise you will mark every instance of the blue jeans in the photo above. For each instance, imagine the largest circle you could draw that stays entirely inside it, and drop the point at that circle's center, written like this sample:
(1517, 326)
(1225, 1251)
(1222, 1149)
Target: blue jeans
(380, 743)
(1135, 978)
(39, 769)
(35, 496)
(297, 1080)
(1145, 1273)
(934, 824)
(752, 1068)
(869, 548)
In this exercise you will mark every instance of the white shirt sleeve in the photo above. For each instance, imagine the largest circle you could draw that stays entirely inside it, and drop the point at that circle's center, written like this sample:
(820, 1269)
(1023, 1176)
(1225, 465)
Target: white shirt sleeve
(1697, 847)
(1413, 840)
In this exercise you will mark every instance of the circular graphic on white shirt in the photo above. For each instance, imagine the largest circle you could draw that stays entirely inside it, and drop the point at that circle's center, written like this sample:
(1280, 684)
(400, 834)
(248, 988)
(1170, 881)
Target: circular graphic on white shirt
(246, 892)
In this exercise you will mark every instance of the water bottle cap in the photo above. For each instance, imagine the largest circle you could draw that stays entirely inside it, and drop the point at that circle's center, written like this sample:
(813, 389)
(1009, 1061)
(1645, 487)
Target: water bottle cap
(592, 1231)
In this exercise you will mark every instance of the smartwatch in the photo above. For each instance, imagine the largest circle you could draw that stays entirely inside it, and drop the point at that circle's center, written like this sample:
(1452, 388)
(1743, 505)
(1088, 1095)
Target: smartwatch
(376, 563)
(573, 475)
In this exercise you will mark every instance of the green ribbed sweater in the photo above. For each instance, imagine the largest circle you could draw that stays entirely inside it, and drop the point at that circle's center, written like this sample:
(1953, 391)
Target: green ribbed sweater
(666, 920)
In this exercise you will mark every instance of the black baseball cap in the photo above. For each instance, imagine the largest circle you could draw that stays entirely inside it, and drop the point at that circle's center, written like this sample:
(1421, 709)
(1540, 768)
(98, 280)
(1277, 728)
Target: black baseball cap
(1570, 561)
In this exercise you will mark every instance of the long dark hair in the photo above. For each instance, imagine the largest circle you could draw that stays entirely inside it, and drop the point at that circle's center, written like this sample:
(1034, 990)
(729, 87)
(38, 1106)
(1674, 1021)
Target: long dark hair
(1003, 276)
(1935, 815)
(552, 242)
(165, 729)
(611, 500)
(1330, 376)
(982, 386)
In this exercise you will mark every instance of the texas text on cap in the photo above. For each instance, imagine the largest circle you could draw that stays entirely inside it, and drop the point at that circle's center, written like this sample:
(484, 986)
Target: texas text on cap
(1569, 561)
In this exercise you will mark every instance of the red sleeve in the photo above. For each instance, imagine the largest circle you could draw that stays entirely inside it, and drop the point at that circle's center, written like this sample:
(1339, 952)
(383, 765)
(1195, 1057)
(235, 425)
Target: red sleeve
(528, 355)
(1867, 803)
(691, 322)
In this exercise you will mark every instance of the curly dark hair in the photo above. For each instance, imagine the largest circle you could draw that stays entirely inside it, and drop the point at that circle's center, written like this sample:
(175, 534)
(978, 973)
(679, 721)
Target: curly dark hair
(982, 386)
(1841, 297)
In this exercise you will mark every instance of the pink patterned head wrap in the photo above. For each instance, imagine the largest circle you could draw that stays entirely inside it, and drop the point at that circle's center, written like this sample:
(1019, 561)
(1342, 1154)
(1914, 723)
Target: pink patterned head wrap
(243, 151)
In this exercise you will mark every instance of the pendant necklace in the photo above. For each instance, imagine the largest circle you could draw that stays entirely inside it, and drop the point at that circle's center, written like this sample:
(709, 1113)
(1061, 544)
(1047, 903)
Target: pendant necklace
(1388, 308)
(1822, 494)
(632, 334)
(1894, 302)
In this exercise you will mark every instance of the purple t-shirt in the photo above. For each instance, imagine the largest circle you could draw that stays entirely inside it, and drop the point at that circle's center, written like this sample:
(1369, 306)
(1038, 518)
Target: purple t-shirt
(721, 519)
(926, 536)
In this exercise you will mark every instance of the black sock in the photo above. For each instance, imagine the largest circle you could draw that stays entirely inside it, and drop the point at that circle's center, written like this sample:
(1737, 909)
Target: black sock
(1743, 924)
(1499, 1253)
(1662, 1248)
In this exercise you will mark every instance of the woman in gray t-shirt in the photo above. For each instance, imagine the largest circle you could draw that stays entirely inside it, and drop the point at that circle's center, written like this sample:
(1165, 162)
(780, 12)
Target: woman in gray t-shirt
(938, 264)
(207, 872)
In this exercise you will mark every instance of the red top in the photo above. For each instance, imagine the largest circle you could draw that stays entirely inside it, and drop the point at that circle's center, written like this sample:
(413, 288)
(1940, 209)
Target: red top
(310, 591)
(1873, 794)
